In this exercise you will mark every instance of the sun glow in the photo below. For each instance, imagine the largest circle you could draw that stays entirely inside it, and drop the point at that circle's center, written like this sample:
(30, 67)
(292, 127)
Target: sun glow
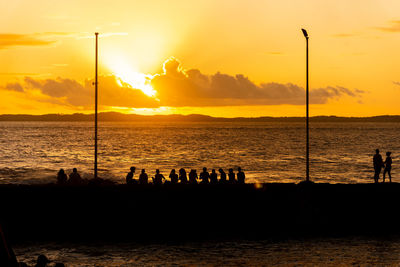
(128, 76)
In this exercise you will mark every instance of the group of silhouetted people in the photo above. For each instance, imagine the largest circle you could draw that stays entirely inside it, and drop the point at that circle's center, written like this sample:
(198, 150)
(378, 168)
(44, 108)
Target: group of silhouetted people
(192, 178)
(74, 178)
(379, 164)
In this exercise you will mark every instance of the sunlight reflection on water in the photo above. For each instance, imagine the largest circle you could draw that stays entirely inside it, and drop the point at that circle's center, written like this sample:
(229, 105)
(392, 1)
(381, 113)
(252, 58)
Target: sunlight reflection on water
(32, 152)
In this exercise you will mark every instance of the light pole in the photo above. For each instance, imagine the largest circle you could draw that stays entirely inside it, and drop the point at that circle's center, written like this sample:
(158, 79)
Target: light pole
(95, 114)
(307, 114)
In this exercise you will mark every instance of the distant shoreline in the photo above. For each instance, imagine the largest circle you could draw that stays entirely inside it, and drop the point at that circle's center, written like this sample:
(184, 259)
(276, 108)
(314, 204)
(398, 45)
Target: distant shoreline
(120, 117)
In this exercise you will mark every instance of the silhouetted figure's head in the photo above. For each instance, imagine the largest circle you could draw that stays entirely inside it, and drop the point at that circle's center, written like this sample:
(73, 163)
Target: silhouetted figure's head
(230, 170)
(388, 153)
(157, 171)
(42, 261)
(213, 170)
(61, 171)
(143, 170)
(377, 151)
(133, 169)
(221, 170)
(239, 169)
(173, 171)
(204, 169)
(74, 170)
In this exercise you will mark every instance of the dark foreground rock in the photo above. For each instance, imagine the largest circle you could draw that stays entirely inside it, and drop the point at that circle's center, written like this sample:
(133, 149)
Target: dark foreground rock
(185, 212)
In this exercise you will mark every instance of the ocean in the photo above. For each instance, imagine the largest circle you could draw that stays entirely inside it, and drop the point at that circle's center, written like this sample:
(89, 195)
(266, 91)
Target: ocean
(33, 152)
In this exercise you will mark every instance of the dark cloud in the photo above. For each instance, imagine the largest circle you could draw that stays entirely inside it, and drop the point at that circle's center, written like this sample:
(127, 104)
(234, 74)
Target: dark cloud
(11, 40)
(77, 94)
(395, 27)
(14, 87)
(178, 87)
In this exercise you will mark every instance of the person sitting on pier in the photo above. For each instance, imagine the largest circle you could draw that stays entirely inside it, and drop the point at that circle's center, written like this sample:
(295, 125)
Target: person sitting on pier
(388, 167)
(173, 176)
(231, 176)
(143, 178)
(75, 178)
(158, 178)
(241, 176)
(213, 177)
(182, 176)
(204, 176)
(378, 164)
(222, 174)
(42, 261)
(61, 177)
(129, 176)
(193, 177)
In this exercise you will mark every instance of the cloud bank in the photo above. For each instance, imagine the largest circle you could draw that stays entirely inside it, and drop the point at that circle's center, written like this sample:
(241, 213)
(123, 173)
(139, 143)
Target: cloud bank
(179, 87)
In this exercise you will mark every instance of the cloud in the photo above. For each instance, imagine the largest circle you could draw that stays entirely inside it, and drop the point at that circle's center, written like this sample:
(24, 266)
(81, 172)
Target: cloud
(395, 27)
(178, 87)
(397, 83)
(71, 92)
(12, 40)
(14, 87)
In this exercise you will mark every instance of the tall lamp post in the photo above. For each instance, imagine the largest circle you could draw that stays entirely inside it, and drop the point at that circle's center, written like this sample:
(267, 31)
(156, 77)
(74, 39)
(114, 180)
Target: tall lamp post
(95, 114)
(307, 114)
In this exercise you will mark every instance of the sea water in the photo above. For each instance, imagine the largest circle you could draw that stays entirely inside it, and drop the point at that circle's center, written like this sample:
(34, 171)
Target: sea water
(33, 152)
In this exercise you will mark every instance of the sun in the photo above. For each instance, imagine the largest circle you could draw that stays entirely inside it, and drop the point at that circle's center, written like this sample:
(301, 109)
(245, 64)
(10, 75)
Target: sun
(127, 75)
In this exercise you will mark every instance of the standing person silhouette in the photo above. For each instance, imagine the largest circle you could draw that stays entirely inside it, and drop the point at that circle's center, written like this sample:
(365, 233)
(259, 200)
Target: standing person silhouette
(129, 176)
(388, 167)
(378, 164)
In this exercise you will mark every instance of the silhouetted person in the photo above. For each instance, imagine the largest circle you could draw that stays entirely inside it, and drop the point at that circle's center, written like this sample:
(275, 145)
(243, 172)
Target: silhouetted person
(42, 261)
(158, 178)
(61, 177)
(75, 178)
(222, 175)
(59, 265)
(129, 176)
(241, 176)
(231, 176)
(204, 176)
(182, 176)
(143, 178)
(193, 177)
(378, 164)
(388, 166)
(173, 176)
(213, 177)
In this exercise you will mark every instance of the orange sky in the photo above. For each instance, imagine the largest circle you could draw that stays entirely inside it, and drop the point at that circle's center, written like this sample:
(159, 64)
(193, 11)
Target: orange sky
(221, 58)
